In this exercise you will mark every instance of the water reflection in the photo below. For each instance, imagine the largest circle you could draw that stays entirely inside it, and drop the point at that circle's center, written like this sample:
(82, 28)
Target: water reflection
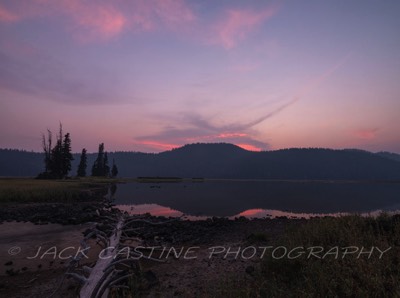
(153, 209)
(257, 198)
(157, 210)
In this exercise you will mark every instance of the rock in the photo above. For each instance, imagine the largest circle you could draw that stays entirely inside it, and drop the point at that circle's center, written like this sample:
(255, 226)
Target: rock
(9, 263)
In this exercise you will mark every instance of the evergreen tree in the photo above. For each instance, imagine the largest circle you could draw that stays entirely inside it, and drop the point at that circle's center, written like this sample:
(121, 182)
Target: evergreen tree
(106, 168)
(100, 167)
(66, 155)
(47, 151)
(82, 164)
(57, 159)
(114, 170)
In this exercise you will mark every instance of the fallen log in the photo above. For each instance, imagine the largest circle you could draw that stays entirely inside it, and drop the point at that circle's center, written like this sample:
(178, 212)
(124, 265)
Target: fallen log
(97, 275)
(104, 274)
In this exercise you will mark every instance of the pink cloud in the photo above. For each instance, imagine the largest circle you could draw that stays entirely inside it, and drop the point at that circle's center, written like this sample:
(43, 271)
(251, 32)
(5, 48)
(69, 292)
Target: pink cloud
(216, 137)
(102, 20)
(231, 135)
(98, 21)
(158, 145)
(7, 16)
(366, 134)
(92, 19)
(249, 147)
(237, 24)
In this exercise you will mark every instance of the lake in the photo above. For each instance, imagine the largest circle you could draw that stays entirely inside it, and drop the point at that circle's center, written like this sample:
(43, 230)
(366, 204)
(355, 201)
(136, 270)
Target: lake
(256, 198)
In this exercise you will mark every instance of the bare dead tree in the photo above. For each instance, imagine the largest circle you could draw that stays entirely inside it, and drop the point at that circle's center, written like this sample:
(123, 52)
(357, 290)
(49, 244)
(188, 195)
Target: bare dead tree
(46, 144)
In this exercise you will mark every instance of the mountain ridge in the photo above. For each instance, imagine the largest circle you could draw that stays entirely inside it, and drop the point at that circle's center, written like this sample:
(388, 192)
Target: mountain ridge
(223, 160)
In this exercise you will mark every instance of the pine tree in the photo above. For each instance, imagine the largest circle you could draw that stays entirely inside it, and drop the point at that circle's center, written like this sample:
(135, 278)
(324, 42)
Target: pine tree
(61, 156)
(66, 155)
(82, 164)
(47, 151)
(114, 170)
(98, 166)
(106, 168)
(57, 159)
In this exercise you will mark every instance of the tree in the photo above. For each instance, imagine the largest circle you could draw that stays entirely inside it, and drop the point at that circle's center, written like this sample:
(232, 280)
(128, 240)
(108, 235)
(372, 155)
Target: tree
(100, 167)
(98, 163)
(57, 159)
(82, 164)
(47, 151)
(106, 168)
(114, 170)
(66, 155)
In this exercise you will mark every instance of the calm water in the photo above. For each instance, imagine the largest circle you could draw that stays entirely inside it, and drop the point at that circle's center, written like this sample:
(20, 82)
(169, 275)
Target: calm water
(256, 198)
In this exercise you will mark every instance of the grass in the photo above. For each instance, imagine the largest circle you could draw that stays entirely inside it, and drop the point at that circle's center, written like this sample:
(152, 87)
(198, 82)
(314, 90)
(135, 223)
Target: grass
(330, 277)
(27, 190)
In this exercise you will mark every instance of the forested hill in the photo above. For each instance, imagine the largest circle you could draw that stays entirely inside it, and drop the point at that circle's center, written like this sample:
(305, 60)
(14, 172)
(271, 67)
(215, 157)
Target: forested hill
(227, 161)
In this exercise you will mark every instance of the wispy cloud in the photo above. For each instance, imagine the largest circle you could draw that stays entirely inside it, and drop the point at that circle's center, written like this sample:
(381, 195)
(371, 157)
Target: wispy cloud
(237, 24)
(103, 20)
(7, 16)
(97, 21)
(85, 19)
(27, 70)
(366, 134)
(317, 81)
(195, 128)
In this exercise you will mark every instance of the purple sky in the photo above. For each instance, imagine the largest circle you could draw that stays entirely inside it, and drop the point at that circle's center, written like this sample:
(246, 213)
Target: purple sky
(150, 75)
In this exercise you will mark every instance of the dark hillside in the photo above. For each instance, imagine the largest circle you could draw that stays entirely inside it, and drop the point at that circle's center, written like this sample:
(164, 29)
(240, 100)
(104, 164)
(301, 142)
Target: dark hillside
(228, 161)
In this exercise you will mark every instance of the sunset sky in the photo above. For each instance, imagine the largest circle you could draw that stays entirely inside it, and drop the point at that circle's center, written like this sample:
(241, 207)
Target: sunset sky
(151, 75)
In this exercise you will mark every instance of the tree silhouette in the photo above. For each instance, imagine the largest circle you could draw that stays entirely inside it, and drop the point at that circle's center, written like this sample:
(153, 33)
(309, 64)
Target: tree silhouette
(46, 143)
(66, 155)
(57, 159)
(100, 167)
(106, 168)
(114, 170)
(82, 164)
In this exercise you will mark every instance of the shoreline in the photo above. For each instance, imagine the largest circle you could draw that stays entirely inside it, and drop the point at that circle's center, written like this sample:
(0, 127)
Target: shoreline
(197, 273)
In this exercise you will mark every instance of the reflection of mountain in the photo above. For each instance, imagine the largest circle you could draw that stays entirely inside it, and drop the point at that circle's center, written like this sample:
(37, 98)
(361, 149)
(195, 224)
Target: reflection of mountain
(229, 161)
(227, 198)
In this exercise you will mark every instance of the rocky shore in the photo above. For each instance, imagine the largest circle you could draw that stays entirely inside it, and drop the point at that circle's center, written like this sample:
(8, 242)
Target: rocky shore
(60, 213)
(171, 277)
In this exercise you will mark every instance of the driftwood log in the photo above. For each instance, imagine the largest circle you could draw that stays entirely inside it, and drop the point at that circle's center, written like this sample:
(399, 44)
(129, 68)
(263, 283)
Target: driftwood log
(98, 280)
